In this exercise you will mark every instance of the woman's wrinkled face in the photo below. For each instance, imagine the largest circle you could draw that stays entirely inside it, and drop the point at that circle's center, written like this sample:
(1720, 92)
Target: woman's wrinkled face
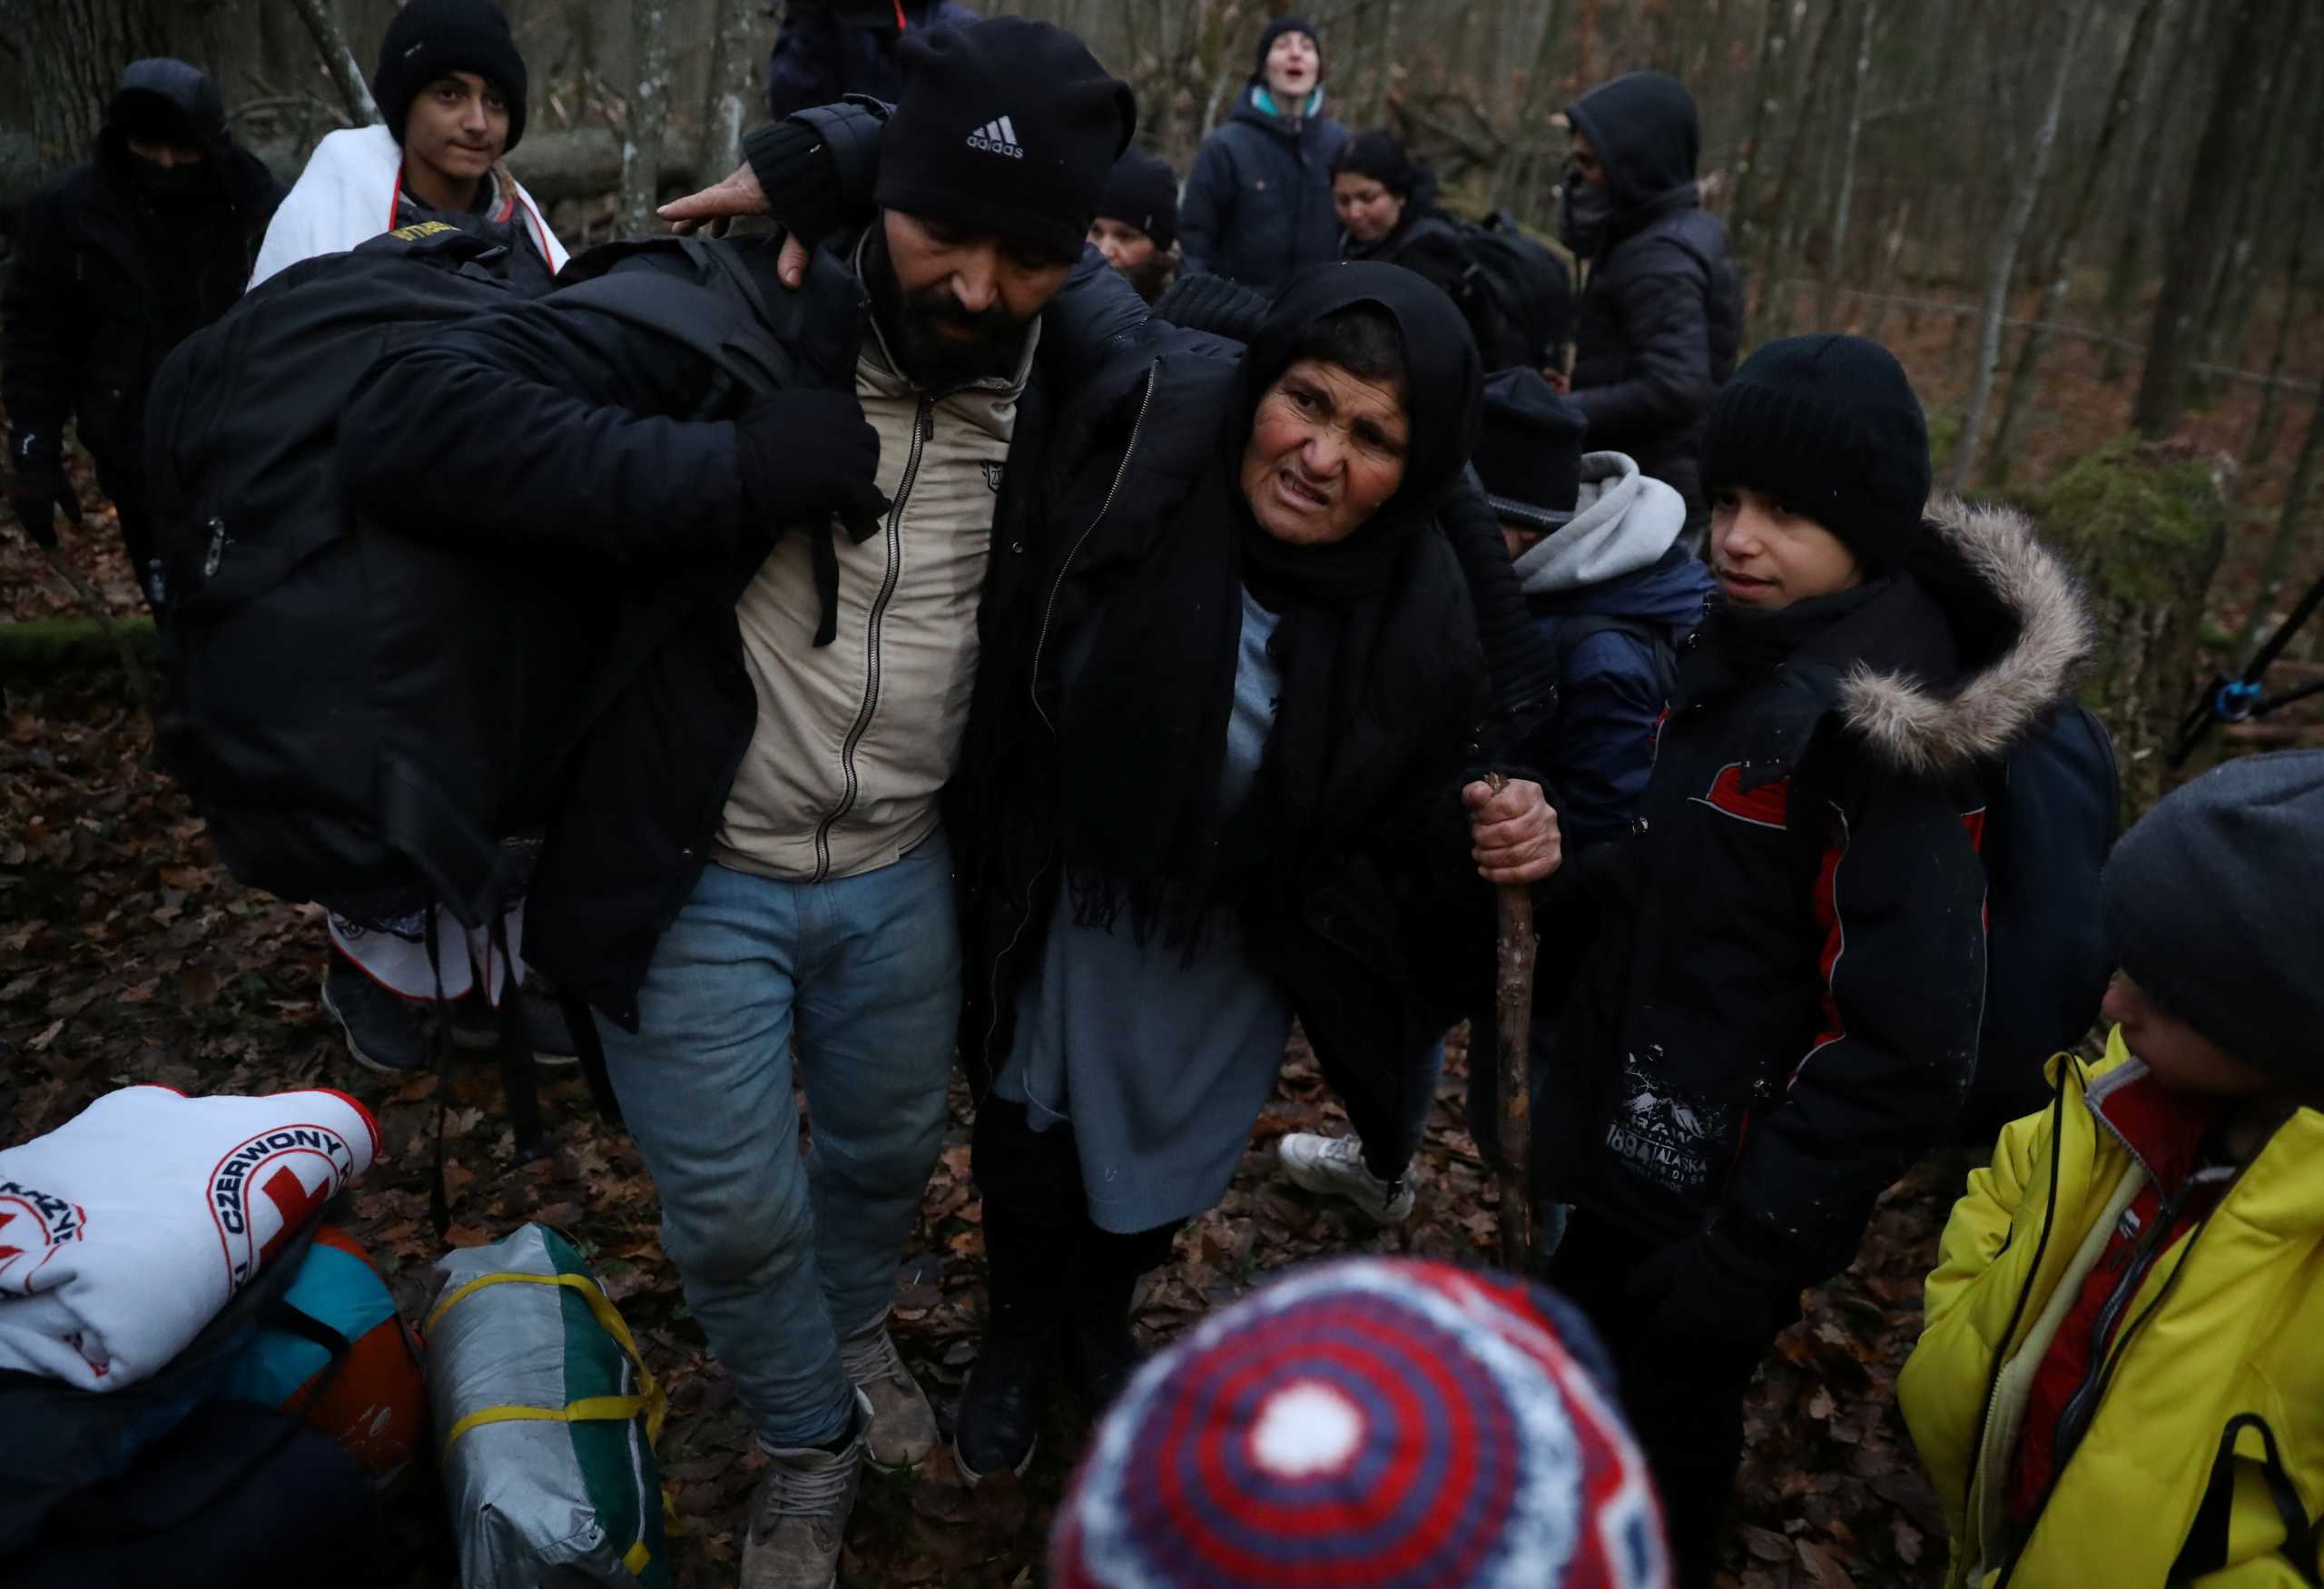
(1327, 449)
(1767, 557)
(1294, 67)
(1366, 208)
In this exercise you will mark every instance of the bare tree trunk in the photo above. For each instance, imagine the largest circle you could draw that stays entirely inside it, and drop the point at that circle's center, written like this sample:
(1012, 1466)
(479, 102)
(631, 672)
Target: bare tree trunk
(1774, 297)
(1837, 261)
(1774, 40)
(731, 99)
(2278, 557)
(2196, 242)
(2236, 258)
(2149, 186)
(73, 51)
(322, 24)
(2022, 378)
(2263, 428)
(2001, 268)
(649, 106)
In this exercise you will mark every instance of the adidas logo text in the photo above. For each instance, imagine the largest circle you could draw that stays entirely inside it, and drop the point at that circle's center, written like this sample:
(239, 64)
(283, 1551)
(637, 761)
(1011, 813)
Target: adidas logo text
(997, 137)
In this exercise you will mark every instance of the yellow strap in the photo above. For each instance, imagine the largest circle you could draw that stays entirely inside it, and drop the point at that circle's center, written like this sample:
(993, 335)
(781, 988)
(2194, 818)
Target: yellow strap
(589, 1409)
(608, 1317)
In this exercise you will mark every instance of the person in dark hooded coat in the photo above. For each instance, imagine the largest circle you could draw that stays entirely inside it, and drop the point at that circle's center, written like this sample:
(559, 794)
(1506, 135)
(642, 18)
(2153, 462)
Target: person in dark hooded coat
(1257, 207)
(1221, 784)
(1661, 305)
(822, 53)
(117, 261)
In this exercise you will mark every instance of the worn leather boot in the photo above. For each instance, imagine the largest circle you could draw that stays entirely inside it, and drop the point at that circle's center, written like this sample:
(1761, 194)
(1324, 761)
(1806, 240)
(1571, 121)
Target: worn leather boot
(1007, 1393)
(1101, 1351)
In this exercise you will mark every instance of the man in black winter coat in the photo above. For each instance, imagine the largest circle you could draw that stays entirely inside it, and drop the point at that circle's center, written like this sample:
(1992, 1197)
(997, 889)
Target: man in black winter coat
(1258, 204)
(1662, 304)
(829, 49)
(118, 261)
(751, 862)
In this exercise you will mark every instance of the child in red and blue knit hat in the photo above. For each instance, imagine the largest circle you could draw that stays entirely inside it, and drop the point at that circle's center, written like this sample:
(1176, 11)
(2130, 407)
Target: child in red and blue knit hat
(1368, 1423)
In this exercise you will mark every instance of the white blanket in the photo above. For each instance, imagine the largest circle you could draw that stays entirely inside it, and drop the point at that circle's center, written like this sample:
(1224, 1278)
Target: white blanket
(125, 1230)
(347, 195)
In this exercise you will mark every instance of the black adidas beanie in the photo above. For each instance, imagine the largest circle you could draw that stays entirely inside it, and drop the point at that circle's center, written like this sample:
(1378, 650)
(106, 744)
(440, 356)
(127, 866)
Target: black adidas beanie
(430, 38)
(1004, 125)
(2214, 905)
(1143, 191)
(1830, 425)
(1275, 30)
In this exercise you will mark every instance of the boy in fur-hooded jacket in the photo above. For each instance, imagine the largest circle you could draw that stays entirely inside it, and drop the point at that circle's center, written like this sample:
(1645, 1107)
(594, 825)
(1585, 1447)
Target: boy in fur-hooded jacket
(1782, 968)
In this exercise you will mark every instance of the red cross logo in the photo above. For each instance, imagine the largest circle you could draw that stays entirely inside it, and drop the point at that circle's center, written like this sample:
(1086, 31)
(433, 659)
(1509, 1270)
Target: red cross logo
(293, 1201)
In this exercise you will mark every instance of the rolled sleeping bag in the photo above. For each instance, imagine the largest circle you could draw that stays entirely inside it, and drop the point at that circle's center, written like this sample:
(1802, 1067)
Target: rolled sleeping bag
(547, 1419)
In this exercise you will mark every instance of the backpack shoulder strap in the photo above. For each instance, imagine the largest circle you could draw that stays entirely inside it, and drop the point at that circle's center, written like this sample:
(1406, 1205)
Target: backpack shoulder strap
(1658, 641)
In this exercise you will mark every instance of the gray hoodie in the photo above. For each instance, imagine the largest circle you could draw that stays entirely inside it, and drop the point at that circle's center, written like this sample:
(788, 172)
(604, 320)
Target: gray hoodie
(1622, 522)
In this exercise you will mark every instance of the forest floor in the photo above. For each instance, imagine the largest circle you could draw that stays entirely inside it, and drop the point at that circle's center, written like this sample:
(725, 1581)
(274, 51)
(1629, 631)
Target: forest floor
(128, 955)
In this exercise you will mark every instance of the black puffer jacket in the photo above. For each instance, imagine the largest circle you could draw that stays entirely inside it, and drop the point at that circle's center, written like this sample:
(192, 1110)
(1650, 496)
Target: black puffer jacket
(1388, 944)
(1781, 971)
(1258, 203)
(602, 457)
(105, 284)
(1661, 308)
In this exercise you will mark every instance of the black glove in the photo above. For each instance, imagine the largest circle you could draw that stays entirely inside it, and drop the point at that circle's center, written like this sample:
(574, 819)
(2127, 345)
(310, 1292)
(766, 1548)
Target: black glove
(1212, 303)
(808, 454)
(1714, 1287)
(818, 167)
(37, 493)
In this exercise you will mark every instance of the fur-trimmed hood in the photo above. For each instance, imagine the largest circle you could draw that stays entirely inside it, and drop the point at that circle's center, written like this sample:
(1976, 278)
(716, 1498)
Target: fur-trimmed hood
(2023, 632)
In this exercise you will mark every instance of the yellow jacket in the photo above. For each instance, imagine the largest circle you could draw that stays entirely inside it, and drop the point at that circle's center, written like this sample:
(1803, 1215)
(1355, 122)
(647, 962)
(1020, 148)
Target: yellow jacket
(2228, 1328)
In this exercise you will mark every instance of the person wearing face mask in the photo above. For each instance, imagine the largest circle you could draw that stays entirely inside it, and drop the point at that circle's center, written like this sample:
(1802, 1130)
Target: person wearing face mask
(1661, 309)
(117, 262)
(1258, 204)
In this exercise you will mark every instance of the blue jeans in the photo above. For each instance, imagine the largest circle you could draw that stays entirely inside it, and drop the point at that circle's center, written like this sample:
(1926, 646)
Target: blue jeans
(778, 1257)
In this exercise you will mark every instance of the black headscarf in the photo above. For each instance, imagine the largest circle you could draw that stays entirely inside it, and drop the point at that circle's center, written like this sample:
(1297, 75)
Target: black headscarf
(1144, 729)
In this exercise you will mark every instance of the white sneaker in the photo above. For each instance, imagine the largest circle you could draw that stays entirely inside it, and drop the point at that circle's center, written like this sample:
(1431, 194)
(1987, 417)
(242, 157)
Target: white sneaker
(1334, 1167)
(903, 1425)
(799, 1514)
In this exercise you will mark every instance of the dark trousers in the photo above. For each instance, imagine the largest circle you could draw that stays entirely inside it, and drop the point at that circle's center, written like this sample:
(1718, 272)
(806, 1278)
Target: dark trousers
(1684, 1399)
(1041, 1248)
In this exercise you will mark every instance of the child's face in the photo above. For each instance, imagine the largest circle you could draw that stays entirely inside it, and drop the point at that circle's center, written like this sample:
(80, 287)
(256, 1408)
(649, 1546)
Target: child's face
(2183, 1059)
(1767, 557)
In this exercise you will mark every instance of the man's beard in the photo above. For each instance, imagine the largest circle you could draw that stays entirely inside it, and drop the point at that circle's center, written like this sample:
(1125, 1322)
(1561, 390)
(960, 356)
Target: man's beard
(928, 357)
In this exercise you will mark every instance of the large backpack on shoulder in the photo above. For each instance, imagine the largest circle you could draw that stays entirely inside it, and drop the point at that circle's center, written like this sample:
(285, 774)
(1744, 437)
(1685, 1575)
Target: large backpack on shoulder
(1528, 290)
(2052, 809)
(361, 717)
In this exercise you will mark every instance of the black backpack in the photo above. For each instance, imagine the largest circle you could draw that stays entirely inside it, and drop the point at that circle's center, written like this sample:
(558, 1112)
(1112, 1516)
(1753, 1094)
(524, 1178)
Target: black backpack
(1527, 289)
(2053, 808)
(362, 717)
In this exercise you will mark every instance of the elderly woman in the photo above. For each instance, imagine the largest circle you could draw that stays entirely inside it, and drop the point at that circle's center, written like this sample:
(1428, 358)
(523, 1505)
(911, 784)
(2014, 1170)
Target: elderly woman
(1222, 785)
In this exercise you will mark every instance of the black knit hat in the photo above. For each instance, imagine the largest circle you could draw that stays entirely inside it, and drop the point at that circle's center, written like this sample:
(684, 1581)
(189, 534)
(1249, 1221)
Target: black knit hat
(1378, 156)
(430, 38)
(1004, 125)
(1143, 191)
(1829, 425)
(1529, 451)
(1275, 30)
(2214, 905)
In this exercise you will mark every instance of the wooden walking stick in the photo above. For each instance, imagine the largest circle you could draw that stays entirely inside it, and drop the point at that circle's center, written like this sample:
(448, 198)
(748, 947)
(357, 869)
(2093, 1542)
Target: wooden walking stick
(1513, 1014)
